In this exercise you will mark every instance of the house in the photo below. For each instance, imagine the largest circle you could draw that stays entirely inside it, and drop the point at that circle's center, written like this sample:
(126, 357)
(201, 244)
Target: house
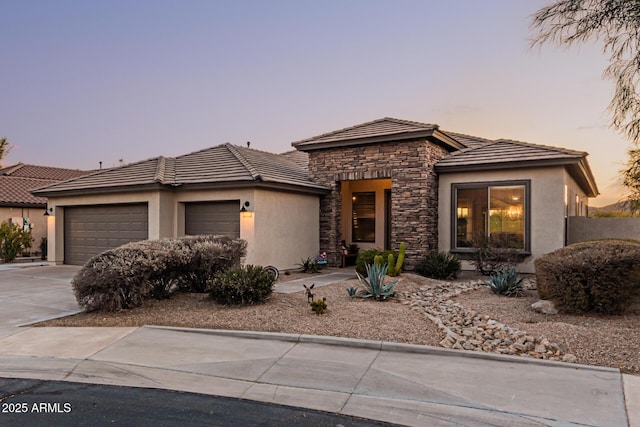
(18, 205)
(398, 181)
(375, 184)
(264, 198)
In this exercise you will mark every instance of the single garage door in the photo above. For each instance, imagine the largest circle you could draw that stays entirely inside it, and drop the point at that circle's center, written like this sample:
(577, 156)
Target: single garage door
(90, 230)
(221, 218)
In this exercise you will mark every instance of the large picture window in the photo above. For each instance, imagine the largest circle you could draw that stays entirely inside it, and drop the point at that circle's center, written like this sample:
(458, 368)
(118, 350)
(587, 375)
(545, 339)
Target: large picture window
(495, 211)
(363, 217)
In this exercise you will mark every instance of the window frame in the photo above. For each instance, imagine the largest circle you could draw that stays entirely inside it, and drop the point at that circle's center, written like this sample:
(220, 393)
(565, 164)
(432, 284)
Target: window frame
(526, 183)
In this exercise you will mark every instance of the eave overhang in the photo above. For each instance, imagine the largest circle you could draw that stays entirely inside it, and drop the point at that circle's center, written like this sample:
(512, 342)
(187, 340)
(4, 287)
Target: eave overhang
(433, 135)
(577, 167)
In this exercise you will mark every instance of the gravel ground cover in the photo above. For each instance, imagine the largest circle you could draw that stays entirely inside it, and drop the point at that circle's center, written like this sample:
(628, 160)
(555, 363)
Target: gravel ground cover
(595, 340)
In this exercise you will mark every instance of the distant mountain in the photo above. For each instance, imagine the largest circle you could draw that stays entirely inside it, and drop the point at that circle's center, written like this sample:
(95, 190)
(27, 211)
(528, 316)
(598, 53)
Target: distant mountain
(623, 208)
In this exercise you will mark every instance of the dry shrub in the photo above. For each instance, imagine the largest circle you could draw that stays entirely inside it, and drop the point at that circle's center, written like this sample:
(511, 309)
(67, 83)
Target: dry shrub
(600, 276)
(124, 277)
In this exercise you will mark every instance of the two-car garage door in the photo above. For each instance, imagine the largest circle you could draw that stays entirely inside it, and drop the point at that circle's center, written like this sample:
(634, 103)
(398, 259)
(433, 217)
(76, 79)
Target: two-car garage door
(90, 230)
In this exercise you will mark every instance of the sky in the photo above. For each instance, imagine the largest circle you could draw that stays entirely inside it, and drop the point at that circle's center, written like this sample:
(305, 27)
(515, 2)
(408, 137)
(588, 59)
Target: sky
(123, 81)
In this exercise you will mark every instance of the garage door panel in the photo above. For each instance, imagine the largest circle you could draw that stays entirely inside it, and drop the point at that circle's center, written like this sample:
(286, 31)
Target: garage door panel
(221, 218)
(90, 230)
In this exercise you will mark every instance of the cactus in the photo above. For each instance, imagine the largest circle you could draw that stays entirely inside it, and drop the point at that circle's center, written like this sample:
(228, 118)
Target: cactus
(391, 262)
(378, 260)
(400, 261)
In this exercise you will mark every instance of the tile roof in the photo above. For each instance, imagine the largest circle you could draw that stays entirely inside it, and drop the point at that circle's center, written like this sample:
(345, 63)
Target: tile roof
(17, 181)
(508, 154)
(468, 140)
(223, 165)
(380, 130)
(505, 151)
(41, 172)
(300, 157)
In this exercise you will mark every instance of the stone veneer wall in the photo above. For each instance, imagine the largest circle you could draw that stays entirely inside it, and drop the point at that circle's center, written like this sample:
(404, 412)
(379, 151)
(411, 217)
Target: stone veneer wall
(414, 191)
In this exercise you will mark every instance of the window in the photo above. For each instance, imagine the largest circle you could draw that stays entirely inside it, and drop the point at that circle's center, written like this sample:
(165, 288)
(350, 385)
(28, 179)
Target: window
(363, 217)
(498, 211)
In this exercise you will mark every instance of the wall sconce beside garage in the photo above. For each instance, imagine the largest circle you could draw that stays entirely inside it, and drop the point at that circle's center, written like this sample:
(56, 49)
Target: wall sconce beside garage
(245, 212)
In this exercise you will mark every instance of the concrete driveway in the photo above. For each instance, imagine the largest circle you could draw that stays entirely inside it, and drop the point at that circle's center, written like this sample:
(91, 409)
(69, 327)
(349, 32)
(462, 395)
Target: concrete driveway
(32, 293)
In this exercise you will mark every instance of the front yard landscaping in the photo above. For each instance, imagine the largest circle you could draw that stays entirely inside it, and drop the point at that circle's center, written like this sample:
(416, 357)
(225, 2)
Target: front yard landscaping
(478, 318)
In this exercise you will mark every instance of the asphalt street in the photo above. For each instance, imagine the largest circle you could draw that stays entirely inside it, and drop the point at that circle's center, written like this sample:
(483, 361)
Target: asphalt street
(27, 402)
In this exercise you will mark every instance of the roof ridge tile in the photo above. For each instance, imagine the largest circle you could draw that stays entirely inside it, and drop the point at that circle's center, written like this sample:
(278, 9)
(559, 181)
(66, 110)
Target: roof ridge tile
(160, 166)
(252, 171)
(12, 169)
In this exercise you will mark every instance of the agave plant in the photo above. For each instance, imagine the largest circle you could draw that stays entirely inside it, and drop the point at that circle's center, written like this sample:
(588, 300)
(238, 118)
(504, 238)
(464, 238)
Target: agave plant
(506, 282)
(373, 284)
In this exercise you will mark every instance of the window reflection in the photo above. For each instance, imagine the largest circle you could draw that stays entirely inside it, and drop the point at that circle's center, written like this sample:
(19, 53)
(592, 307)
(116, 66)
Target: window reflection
(496, 212)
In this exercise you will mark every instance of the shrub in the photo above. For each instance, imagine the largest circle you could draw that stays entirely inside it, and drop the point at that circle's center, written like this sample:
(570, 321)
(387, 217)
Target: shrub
(242, 285)
(373, 284)
(44, 248)
(13, 241)
(204, 256)
(601, 276)
(111, 281)
(124, 277)
(438, 265)
(309, 265)
(319, 307)
(368, 257)
(506, 282)
(493, 255)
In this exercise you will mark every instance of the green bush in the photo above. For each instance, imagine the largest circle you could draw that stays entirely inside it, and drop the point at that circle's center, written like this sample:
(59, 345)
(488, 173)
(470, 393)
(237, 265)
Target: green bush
(368, 257)
(319, 306)
(506, 282)
(601, 276)
(242, 285)
(124, 277)
(309, 265)
(203, 257)
(438, 265)
(44, 248)
(13, 241)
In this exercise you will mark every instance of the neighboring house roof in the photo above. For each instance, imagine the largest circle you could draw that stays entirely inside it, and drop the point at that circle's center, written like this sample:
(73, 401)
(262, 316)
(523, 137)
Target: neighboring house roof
(224, 165)
(387, 129)
(509, 154)
(16, 182)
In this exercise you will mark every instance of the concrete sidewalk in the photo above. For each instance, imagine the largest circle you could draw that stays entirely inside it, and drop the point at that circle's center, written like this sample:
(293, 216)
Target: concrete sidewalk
(409, 385)
(403, 384)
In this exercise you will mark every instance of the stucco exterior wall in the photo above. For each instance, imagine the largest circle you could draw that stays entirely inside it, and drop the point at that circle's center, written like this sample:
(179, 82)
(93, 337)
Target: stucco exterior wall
(281, 228)
(581, 228)
(36, 218)
(286, 228)
(577, 201)
(414, 191)
(547, 207)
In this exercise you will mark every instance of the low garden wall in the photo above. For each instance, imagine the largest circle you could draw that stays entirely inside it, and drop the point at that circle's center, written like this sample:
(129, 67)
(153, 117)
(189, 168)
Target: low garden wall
(580, 228)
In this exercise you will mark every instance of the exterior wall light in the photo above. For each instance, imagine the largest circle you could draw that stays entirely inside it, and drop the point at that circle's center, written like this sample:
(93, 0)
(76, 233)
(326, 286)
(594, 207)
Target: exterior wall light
(244, 212)
(48, 212)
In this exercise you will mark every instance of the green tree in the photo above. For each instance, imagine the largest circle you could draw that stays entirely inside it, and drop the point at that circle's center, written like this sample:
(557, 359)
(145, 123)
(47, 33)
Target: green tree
(615, 23)
(13, 240)
(631, 179)
(4, 148)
